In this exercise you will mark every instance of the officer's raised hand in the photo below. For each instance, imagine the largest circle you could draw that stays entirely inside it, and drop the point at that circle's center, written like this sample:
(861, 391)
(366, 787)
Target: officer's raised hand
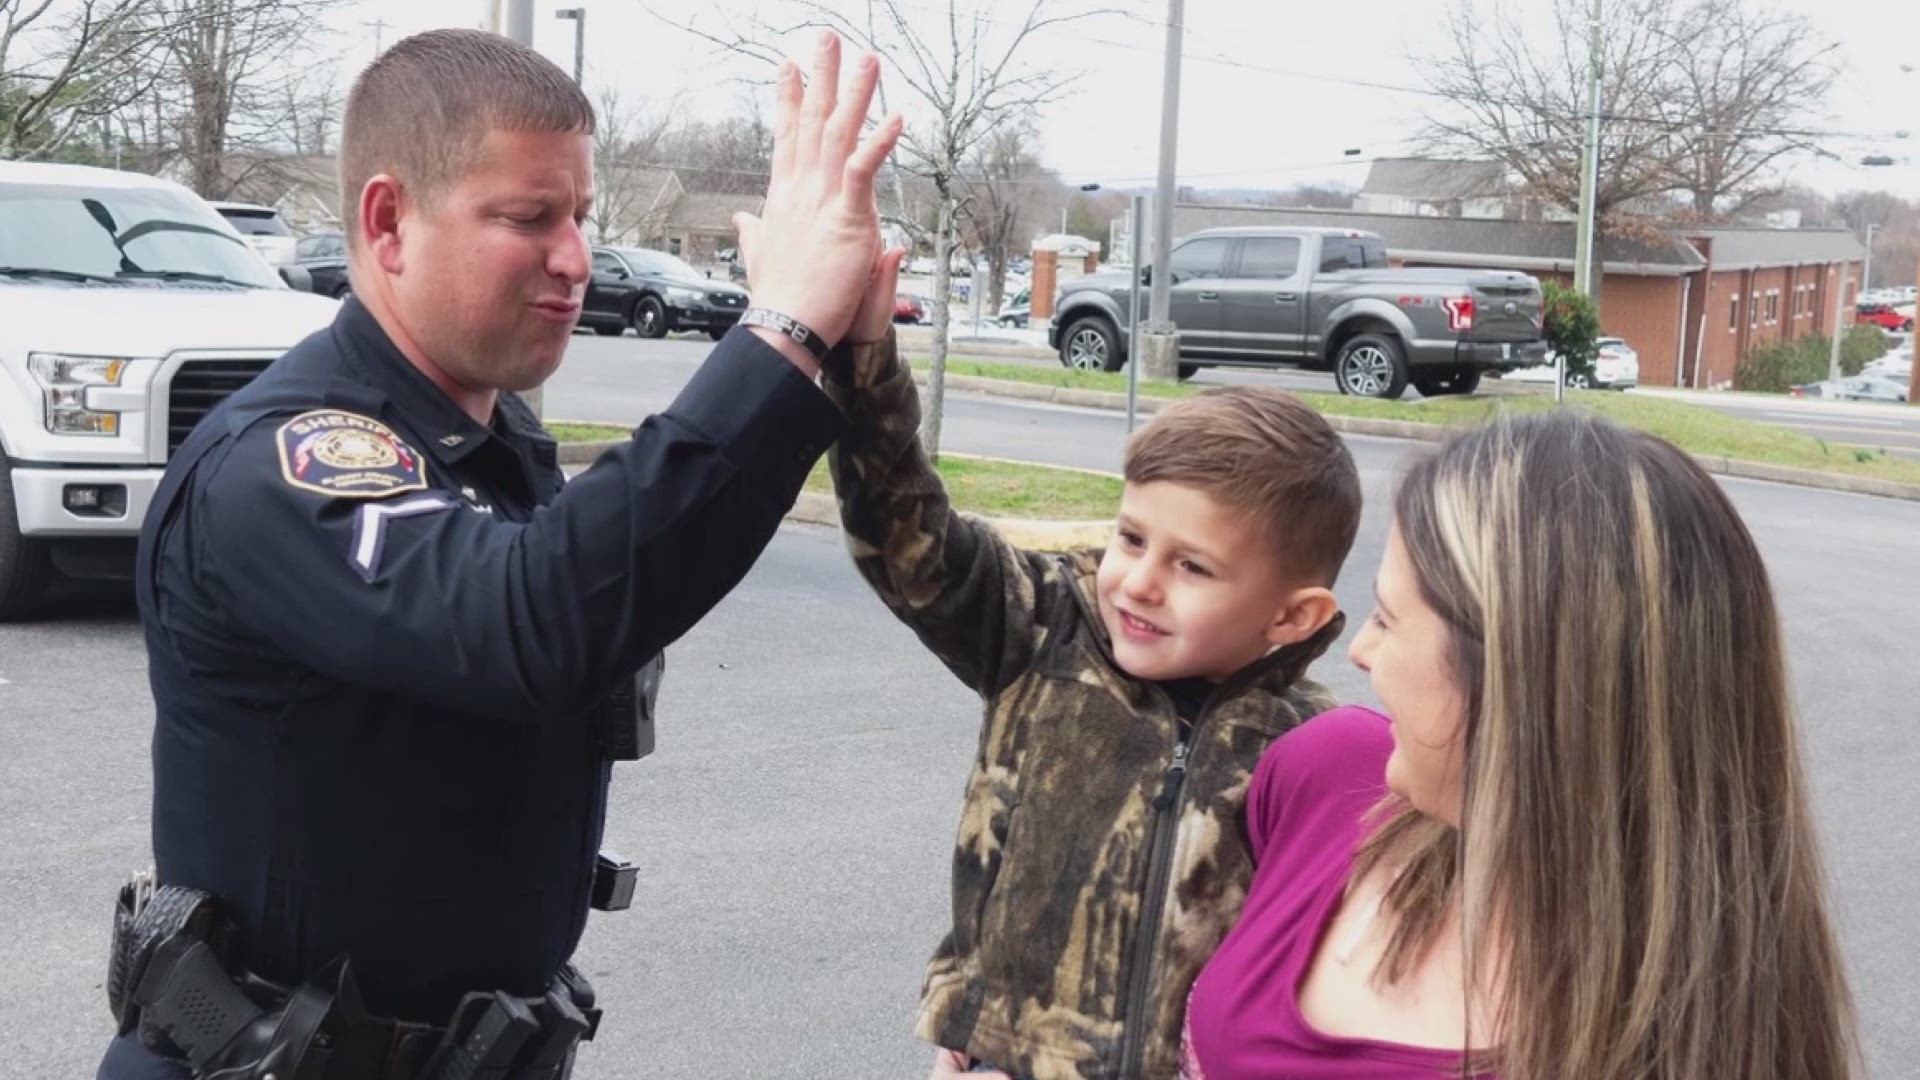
(811, 252)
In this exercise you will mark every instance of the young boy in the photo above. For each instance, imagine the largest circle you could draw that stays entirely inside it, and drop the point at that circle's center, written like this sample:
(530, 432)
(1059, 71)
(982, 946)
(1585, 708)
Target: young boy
(1129, 694)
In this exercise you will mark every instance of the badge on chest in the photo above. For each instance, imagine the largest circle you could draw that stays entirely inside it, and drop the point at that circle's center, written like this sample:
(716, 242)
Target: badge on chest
(349, 456)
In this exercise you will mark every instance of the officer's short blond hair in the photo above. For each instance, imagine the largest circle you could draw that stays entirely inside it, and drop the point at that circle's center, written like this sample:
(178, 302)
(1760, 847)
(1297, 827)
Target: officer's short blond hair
(419, 112)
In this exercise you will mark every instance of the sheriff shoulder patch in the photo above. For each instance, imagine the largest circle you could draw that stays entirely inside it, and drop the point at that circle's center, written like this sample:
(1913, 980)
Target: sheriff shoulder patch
(347, 456)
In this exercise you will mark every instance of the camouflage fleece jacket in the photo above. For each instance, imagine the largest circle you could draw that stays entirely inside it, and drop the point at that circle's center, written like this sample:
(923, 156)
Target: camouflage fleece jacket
(1100, 860)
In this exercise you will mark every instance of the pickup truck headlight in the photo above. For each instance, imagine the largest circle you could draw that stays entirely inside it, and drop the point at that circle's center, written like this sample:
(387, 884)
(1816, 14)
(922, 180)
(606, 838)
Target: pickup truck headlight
(64, 381)
(684, 296)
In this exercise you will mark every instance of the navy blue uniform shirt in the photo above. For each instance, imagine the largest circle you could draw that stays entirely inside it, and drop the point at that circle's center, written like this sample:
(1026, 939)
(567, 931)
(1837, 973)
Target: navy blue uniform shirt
(378, 633)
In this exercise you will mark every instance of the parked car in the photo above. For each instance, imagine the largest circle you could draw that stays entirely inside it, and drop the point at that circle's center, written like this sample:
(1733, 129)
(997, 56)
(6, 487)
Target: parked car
(131, 308)
(1885, 316)
(1315, 297)
(1855, 388)
(655, 293)
(265, 230)
(907, 308)
(324, 257)
(1017, 310)
(1616, 367)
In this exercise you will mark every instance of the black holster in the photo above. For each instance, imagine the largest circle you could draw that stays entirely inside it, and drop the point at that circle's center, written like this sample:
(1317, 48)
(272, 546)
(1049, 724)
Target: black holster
(170, 977)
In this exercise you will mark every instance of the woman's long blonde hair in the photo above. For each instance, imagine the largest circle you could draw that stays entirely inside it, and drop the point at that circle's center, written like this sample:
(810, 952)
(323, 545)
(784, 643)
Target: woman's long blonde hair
(1635, 826)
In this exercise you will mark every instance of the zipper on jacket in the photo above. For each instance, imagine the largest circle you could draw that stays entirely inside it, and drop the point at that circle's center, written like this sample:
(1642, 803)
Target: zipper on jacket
(1159, 867)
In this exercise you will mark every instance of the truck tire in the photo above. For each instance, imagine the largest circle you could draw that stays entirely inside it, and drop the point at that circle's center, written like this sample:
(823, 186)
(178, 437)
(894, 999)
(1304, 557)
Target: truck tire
(1188, 371)
(25, 564)
(1436, 382)
(650, 317)
(1092, 344)
(1371, 365)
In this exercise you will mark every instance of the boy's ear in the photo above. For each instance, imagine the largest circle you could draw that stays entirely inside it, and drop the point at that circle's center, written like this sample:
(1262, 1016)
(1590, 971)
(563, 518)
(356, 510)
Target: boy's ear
(1305, 612)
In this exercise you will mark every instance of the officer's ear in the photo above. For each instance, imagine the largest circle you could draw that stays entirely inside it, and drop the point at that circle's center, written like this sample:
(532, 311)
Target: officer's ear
(382, 202)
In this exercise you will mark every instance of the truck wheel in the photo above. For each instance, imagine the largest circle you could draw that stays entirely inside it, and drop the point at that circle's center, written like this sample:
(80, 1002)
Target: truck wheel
(1371, 365)
(1091, 344)
(1456, 380)
(1188, 371)
(650, 317)
(24, 563)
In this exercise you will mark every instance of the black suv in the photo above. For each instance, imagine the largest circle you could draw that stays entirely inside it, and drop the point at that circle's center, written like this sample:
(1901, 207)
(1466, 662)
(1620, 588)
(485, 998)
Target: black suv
(654, 292)
(324, 255)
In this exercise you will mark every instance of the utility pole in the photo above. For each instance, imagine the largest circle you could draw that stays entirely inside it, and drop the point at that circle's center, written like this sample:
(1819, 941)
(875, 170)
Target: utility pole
(579, 17)
(520, 29)
(1866, 275)
(1839, 330)
(1583, 259)
(1160, 339)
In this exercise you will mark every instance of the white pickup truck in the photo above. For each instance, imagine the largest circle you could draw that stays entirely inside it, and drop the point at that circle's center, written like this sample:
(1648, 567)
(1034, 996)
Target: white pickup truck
(128, 309)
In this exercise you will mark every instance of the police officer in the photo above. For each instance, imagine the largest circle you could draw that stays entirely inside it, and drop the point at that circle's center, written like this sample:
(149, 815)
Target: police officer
(391, 656)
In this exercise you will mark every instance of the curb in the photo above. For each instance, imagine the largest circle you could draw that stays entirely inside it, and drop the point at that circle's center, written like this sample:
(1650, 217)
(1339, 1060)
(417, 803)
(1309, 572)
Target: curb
(819, 508)
(584, 453)
(1410, 429)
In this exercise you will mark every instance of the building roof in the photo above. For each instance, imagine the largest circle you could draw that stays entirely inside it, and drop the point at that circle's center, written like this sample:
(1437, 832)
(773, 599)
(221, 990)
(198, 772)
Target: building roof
(1433, 179)
(1516, 245)
(1748, 249)
(711, 211)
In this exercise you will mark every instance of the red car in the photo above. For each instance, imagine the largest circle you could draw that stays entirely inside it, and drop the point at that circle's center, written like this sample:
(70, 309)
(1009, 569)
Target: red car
(908, 309)
(1884, 317)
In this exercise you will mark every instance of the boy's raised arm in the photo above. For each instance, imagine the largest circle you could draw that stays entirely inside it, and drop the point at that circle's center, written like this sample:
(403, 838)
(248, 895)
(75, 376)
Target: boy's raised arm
(973, 598)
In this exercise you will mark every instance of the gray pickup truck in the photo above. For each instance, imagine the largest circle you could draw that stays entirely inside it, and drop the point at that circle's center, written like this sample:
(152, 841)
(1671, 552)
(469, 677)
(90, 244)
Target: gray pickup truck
(1320, 298)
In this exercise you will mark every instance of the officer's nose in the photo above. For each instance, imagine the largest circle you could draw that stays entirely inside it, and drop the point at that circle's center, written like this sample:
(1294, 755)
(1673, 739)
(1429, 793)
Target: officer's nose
(570, 261)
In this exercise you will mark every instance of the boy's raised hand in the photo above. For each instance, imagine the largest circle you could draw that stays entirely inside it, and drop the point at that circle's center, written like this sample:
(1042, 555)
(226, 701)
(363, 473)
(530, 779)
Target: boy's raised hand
(875, 317)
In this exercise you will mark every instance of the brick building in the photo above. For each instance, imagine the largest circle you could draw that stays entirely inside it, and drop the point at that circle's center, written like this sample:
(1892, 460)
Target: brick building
(1690, 302)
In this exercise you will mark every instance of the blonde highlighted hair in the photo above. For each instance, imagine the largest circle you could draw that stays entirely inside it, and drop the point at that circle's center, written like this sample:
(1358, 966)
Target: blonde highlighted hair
(1635, 827)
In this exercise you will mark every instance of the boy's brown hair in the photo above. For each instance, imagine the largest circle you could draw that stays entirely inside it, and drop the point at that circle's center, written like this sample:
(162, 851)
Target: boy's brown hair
(1262, 452)
(420, 110)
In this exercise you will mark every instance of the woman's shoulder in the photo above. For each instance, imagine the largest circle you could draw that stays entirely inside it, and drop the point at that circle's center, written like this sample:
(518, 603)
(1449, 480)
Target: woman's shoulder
(1331, 768)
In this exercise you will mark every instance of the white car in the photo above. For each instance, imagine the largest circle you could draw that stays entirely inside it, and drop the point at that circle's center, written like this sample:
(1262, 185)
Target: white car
(128, 310)
(1617, 367)
(264, 230)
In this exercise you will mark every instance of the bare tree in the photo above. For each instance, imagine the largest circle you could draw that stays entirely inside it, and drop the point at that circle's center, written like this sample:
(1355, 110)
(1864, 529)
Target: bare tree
(1520, 98)
(965, 65)
(631, 193)
(1004, 186)
(733, 156)
(230, 67)
(1750, 80)
(64, 65)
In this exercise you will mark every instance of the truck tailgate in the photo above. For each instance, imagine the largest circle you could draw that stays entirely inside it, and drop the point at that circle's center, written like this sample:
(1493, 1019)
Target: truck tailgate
(1506, 307)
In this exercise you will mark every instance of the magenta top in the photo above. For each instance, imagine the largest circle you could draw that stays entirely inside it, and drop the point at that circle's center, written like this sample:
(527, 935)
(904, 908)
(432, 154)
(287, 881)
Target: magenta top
(1305, 807)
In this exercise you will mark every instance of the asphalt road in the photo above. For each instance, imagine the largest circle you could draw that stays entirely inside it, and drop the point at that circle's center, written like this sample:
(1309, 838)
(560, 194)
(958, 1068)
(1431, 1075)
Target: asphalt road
(1893, 428)
(793, 830)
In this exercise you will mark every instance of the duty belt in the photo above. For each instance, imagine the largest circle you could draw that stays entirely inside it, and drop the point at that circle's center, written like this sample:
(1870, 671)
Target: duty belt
(168, 978)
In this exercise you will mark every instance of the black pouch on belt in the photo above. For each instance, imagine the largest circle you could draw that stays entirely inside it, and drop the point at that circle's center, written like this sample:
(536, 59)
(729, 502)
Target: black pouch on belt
(626, 715)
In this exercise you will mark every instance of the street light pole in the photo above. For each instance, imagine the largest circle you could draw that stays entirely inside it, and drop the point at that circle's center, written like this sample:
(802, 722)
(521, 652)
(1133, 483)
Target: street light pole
(520, 29)
(579, 17)
(1589, 164)
(1160, 343)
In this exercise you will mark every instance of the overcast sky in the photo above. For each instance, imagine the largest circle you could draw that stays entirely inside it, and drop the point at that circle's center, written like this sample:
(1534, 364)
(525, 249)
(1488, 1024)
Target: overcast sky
(1262, 103)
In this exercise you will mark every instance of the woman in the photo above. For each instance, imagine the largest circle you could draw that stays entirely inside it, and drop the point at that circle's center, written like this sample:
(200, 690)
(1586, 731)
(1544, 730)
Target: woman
(1578, 846)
